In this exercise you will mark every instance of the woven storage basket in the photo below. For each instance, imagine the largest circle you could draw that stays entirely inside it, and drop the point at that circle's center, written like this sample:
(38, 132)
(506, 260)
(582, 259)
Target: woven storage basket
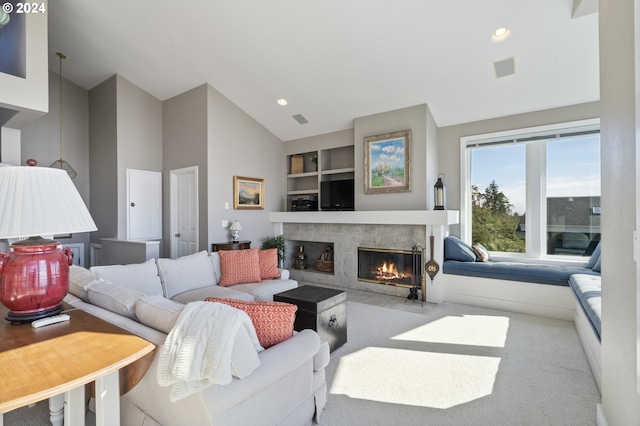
(297, 164)
(324, 265)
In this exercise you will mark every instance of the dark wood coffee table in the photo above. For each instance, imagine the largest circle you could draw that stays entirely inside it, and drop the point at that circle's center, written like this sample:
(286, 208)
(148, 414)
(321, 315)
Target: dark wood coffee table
(321, 309)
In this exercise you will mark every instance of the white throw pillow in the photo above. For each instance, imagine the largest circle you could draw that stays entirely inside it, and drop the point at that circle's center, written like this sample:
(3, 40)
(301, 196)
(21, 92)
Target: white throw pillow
(186, 273)
(114, 298)
(215, 260)
(80, 279)
(158, 312)
(138, 276)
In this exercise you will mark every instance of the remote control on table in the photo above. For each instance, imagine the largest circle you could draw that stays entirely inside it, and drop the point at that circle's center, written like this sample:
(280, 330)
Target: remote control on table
(50, 320)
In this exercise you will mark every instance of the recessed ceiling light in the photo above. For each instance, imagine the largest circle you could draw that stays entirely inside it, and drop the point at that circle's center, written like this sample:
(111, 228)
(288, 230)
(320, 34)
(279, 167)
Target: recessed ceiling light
(282, 102)
(501, 34)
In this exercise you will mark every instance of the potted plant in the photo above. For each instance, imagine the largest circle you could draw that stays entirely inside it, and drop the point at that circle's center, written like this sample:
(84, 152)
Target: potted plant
(278, 243)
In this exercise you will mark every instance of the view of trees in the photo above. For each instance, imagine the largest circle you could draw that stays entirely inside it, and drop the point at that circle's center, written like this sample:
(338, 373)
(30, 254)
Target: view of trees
(494, 224)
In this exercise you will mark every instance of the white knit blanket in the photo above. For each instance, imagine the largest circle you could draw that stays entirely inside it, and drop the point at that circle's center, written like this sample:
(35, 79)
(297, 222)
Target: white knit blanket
(197, 351)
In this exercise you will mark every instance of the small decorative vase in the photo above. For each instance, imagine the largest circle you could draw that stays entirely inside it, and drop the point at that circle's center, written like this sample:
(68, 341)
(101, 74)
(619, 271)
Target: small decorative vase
(301, 259)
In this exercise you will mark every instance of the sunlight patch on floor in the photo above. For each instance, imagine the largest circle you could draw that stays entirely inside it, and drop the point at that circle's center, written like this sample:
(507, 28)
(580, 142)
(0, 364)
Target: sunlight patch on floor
(469, 330)
(423, 379)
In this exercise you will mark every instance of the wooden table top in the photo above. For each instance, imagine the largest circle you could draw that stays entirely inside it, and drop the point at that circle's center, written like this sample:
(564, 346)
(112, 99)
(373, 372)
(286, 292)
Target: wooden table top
(38, 363)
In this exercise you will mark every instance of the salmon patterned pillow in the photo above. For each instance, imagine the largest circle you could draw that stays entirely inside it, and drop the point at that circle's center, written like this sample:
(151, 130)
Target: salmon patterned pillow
(273, 321)
(269, 264)
(239, 267)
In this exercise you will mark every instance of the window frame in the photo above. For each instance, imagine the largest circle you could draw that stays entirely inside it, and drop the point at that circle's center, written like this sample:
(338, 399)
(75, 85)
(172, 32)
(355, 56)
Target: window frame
(536, 175)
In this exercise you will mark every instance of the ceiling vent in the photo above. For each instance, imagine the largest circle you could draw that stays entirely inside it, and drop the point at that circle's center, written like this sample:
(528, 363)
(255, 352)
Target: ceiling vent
(300, 119)
(505, 67)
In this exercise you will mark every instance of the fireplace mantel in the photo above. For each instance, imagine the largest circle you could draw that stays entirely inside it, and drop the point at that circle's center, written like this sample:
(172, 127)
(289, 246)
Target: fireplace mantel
(311, 226)
(398, 217)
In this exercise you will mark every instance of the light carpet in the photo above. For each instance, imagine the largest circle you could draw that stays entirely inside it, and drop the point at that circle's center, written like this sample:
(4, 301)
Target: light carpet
(458, 365)
(447, 365)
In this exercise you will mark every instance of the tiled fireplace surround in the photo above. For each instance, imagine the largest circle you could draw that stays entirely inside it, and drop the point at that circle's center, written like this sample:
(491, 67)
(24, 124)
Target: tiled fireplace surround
(374, 229)
(346, 238)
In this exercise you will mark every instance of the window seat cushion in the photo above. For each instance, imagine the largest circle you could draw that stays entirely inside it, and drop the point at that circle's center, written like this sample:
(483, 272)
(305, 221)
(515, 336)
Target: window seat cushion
(516, 271)
(588, 292)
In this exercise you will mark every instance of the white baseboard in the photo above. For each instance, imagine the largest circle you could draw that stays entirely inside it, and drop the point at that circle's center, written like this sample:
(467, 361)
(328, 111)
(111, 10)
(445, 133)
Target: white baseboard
(601, 420)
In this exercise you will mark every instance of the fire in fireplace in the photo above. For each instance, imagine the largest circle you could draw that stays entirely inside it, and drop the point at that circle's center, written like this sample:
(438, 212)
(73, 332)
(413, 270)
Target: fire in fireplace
(390, 267)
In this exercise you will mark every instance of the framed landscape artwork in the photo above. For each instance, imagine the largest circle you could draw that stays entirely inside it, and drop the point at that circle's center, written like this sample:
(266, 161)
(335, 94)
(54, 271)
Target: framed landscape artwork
(248, 193)
(386, 163)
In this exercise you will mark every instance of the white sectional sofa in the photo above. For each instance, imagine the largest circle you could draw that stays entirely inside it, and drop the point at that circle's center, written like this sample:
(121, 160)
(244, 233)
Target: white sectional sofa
(282, 385)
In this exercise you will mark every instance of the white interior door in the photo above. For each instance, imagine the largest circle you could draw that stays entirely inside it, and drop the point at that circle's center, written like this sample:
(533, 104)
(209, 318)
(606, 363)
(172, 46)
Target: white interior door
(144, 205)
(184, 211)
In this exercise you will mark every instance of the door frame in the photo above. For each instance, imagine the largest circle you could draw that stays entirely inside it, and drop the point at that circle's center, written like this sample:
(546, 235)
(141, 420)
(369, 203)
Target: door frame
(173, 207)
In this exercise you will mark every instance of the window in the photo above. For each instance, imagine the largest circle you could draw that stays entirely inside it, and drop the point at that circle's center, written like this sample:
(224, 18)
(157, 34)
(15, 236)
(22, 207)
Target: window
(534, 192)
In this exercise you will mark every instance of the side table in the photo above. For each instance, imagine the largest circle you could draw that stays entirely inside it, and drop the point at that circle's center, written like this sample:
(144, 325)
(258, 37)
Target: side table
(229, 245)
(321, 309)
(41, 363)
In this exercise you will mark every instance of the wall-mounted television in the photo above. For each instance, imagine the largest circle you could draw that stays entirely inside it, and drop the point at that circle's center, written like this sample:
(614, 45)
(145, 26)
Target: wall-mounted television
(336, 195)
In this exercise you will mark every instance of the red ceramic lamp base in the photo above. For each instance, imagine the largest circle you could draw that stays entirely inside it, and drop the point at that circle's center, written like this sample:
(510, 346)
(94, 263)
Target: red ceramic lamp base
(34, 278)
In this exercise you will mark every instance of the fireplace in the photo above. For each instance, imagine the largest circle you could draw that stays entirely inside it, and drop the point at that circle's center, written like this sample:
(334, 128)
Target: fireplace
(401, 268)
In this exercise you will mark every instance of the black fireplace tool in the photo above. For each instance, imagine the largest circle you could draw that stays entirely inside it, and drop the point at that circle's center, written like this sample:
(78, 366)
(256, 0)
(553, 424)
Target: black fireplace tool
(415, 292)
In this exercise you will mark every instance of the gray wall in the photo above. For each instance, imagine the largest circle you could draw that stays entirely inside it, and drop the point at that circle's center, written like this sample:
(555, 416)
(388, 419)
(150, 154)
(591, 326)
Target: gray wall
(417, 120)
(40, 139)
(184, 145)
(139, 133)
(125, 132)
(619, 122)
(240, 146)
(103, 159)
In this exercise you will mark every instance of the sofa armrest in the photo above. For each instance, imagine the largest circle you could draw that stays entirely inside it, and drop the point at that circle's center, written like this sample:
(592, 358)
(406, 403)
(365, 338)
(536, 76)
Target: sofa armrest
(284, 274)
(275, 363)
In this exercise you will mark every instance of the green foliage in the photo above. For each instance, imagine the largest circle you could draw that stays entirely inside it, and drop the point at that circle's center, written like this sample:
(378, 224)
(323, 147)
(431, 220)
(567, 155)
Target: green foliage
(278, 243)
(493, 224)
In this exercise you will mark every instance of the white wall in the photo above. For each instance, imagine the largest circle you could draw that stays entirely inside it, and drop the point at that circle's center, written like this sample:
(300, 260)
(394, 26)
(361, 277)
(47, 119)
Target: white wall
(619, 104)
(29, 95)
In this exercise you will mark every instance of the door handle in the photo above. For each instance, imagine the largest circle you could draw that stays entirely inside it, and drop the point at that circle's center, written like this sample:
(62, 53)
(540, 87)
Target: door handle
(133, 204)
(177, 235)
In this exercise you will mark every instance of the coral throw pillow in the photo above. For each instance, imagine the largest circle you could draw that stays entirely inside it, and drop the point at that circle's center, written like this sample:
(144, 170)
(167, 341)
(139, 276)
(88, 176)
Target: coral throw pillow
(269, 264)
(273, 321)
(239, 267)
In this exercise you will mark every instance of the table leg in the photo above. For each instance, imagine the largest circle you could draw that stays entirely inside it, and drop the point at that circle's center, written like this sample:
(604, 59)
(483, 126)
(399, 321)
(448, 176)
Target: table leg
(56, 410)
(74, 410)
(108, 400)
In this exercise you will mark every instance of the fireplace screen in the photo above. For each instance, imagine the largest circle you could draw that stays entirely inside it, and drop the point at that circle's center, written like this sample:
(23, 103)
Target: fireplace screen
(391, 267)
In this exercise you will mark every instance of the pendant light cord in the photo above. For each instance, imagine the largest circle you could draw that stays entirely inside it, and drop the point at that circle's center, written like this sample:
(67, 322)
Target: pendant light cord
(61, 56)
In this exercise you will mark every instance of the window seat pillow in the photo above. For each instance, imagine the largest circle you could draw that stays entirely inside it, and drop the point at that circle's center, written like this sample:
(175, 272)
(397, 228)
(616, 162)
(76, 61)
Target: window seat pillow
(516, 271)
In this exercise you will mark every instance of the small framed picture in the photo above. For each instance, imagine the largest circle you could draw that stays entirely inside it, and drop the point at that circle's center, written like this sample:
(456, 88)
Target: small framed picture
(248, 193)
(386, 163)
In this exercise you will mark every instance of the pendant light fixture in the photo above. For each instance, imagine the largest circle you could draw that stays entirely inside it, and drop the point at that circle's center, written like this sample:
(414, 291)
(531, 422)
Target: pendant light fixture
(61, 163)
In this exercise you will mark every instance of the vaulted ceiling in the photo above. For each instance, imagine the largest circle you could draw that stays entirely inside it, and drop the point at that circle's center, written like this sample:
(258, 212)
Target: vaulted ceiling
(334, 60)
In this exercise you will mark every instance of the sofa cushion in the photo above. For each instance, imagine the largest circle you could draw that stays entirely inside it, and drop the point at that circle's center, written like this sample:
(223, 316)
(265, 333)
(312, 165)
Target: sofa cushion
(138, 276)
(186, 273)
(456, 249)
(213, 291)
(587, 289)
(114, 298)
(158, 312)
(266, 289)
(273, 321)
(239, 267)
(215, 261)
(268, 262)
(80, 279)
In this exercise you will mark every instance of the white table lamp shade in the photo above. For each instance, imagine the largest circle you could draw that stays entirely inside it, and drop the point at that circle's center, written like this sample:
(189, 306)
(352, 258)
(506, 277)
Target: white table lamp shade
(235, 226)
(37, 201)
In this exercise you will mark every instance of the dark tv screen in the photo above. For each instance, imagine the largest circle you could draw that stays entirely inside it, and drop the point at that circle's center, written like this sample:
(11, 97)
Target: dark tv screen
(336, 195)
